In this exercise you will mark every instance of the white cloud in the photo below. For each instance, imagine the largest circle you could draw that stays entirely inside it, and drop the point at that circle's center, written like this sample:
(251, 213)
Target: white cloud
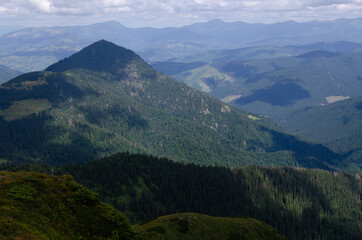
(43, 5)
(176, 12)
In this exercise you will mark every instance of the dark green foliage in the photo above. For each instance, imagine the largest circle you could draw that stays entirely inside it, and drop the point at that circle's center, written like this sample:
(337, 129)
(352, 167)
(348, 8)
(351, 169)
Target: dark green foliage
(183, 225)
(101, 56)
(300, 203)
(280, 94)
(338, 125)
(134, 108)
(51, 86)
(38, 206)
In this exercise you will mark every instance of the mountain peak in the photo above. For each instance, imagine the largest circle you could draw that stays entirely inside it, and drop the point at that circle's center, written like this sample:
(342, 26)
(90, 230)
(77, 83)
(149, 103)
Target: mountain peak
(102, 56)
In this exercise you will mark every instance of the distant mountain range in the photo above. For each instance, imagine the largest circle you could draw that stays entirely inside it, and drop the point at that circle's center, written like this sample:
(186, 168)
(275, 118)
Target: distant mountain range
(6, 74)
(35, 48)
(267, 52)
(4, 29)
(106, 99)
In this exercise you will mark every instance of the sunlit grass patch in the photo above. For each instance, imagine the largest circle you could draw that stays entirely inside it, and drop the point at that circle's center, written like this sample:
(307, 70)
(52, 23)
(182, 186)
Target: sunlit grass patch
(25, 108)
(253, 117)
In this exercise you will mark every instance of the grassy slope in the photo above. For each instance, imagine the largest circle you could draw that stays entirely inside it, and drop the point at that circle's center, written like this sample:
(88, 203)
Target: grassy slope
(37, 206)
(25, 108)
(134, 108)
(192, 226)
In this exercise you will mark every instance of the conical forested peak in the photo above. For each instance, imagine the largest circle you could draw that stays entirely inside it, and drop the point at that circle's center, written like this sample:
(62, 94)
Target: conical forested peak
(100, 56)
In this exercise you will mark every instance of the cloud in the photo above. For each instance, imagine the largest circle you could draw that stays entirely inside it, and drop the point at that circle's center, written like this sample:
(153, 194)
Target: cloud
(173, 11)
(43, 5)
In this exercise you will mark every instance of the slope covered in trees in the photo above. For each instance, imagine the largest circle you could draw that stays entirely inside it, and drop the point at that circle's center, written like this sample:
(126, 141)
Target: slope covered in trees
(106, 99)
(337, 125)
(300, 203)
(39, 206)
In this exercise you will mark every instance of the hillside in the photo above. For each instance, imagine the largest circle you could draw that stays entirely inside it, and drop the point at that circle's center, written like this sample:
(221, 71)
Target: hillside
(6, 74)
(338, 125)
(33, 49)
(192, 226)
(273, 86)
(106, 99)
(299, 203)
(37, 206)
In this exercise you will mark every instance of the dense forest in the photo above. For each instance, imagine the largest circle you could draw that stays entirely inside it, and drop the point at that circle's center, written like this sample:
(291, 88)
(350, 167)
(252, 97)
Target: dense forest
(344, 117)
(300, 203)
(39, 206)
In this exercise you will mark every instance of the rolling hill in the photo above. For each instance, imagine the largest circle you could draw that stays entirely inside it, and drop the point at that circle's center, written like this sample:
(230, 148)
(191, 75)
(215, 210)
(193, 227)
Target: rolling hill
(202, 227)
(106, 99)
(338, 125)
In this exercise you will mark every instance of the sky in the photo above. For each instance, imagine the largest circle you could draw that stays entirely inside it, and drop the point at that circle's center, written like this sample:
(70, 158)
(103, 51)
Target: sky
(164, 13)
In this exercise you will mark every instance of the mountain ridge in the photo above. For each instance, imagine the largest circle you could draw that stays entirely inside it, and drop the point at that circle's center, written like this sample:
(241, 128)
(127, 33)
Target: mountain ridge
(162, 44)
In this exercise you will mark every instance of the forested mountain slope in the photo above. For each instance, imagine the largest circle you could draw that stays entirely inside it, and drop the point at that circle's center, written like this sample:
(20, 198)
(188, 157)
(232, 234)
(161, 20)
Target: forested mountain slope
(300, 203)
(338, 125)
(106, 99)
(38, 206)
